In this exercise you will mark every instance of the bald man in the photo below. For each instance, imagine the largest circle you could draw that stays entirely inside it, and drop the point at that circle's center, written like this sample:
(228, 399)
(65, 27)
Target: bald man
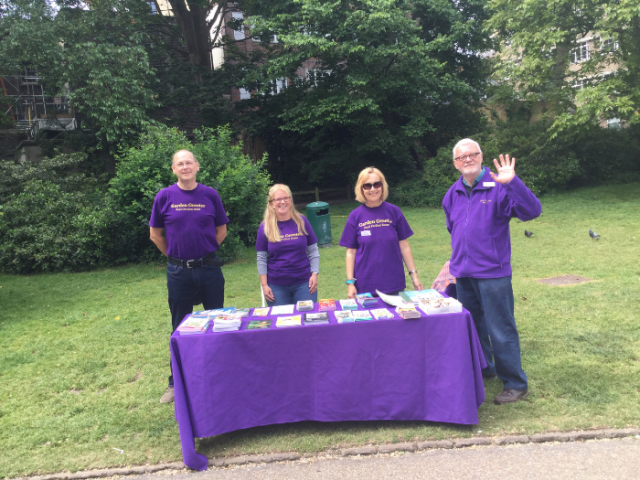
(188, 224)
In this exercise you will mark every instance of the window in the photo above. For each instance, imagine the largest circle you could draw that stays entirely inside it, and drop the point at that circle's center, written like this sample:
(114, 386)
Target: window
(153, 7)
(609, 45)
(239, 33)
(244, 94)
(581, 53)
(614, 123)
(580, 84)
(314, 75)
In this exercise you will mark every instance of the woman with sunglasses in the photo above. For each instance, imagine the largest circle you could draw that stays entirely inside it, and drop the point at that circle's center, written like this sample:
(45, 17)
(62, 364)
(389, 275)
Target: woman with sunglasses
(288, 257)
(376, 239)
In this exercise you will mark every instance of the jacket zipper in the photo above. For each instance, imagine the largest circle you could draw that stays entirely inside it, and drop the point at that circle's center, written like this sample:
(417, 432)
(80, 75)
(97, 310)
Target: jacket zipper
(466, 220)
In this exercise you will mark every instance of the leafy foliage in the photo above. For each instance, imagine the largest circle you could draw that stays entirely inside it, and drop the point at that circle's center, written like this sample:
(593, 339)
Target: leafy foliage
(54, 217)
(371, 82)
(543, 163)
(144, 171)
(540, 38)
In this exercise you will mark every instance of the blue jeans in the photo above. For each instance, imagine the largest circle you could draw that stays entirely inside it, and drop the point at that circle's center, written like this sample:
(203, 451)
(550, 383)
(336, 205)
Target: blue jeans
(490, 302)
(187, 286)
(291, 295)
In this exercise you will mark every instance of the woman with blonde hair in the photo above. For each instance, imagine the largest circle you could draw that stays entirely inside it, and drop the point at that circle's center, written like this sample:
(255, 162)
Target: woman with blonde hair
(376, 239)
(288, 257)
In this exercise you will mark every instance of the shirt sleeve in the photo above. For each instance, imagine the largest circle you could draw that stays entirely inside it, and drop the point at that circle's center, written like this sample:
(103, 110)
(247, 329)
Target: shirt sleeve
(402, 227)
(156, 220)
(349, 236)
(262, 262)
(311, 235)
(220, 216)
(262, 244)
(314, 258)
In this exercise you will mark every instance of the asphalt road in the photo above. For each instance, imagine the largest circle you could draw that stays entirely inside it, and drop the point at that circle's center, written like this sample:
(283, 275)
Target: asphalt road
(595, 459)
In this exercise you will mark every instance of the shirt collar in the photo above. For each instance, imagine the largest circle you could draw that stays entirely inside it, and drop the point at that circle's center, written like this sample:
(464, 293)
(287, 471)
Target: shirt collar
(478, 178)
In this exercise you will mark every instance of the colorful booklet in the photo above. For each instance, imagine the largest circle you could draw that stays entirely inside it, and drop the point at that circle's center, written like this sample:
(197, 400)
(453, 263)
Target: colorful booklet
(194, 325)
(259, 324)
(282, 310)
(292, 321)
(382, 314)
(304, 305)
(438, 306)
(226, 323)
(261, 312)
(316, 318)
(366, 300)
(344, 316)
(361, 315)
(218, 311)
(242, 312)
(408, 312)
(349, 304)
(326, 305)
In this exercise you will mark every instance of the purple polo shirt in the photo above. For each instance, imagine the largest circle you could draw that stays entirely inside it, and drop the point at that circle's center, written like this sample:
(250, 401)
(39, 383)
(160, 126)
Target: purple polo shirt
(376, 233)
(479, 225)
(189, 219)
(287, 263)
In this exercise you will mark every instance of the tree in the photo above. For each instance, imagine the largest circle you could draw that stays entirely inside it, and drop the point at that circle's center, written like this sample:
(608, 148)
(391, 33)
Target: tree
(390, 77)
(541, 37)
(96, 56)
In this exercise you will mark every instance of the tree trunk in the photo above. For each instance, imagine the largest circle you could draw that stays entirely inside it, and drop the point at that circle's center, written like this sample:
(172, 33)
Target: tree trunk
(193, 24)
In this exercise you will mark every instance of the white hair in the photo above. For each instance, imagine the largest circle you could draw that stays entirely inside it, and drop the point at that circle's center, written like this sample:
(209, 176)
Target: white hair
(462, 142)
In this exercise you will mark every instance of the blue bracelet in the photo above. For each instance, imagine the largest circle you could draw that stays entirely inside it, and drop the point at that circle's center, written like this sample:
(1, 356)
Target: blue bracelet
(351, 282)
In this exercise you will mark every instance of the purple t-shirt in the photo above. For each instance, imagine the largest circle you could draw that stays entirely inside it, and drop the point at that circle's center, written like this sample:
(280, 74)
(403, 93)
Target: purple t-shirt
(189, 219)
(287, 263)
(375, 233)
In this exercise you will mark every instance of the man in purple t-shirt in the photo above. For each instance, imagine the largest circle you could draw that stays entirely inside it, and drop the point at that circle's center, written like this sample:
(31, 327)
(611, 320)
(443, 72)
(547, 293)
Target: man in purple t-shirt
(188, 224)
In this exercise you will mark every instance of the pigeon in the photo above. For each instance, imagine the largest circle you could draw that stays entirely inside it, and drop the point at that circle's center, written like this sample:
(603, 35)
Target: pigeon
(594, 235)
(528, 234)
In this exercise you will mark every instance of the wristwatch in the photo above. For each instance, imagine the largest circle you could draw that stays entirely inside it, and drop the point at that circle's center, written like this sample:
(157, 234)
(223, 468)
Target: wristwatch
(412, 271)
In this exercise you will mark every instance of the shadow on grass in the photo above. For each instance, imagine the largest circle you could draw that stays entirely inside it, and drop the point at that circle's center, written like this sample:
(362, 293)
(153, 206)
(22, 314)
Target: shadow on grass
(311, 436)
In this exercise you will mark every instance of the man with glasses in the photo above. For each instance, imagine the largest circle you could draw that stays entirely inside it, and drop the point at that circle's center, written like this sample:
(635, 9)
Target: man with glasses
(478, 209)
(188, 224)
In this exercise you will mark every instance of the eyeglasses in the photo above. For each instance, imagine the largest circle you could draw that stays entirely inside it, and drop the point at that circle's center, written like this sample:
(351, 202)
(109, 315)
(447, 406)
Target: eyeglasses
(369, 186)
(472, 157)
(281, 200)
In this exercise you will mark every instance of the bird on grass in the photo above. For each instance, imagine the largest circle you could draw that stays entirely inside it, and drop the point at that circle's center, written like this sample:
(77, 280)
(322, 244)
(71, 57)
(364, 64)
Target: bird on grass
(528, 234)
(593, 235)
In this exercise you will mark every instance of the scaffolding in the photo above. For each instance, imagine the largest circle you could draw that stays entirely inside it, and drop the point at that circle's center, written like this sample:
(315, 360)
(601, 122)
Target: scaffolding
(31, 109)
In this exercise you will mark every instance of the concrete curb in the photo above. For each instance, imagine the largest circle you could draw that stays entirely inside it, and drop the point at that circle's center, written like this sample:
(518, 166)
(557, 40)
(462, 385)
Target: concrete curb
(357, 451)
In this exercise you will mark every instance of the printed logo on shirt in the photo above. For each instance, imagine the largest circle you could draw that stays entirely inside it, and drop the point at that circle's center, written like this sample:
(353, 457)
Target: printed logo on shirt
(292, 236)
(181, 207)
(379, 222)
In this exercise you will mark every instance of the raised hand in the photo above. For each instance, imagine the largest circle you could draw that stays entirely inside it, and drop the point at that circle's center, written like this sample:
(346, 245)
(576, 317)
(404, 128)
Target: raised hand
(506, 169)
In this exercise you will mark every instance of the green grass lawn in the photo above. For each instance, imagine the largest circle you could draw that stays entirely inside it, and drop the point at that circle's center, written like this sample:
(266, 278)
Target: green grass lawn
(84, 357)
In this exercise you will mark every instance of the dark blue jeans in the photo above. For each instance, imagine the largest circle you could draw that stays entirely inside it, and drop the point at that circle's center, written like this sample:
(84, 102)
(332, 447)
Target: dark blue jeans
(205, 284)
(490, 302)
(291, 295)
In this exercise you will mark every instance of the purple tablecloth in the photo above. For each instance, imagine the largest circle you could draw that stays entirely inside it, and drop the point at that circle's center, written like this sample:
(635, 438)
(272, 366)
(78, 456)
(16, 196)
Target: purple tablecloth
(422, 369)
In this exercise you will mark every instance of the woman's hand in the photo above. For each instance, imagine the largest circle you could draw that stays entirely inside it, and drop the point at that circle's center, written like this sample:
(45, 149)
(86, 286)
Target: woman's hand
(351, 291)
(268, 293)
(417, 284)
(313, 283)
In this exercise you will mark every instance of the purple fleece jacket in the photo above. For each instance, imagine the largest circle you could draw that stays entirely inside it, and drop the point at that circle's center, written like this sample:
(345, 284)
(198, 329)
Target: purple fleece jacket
(479, 225)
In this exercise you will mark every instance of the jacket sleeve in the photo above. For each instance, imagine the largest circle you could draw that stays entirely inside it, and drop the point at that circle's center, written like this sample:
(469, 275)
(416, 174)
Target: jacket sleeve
(516, 200)
(445, 207)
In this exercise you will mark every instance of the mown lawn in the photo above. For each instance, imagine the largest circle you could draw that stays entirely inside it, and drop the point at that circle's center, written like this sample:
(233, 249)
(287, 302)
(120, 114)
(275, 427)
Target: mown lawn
(84, 357)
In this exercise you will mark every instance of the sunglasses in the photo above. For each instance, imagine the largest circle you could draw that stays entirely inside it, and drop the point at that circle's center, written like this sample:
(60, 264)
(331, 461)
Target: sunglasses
(369, 186)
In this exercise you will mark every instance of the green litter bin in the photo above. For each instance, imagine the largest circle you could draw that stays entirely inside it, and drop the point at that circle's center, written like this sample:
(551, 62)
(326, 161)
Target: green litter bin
(320, 220)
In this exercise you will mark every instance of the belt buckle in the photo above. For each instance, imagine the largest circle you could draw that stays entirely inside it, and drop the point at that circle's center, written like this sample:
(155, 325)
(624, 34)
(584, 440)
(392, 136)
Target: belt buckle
(189, 264)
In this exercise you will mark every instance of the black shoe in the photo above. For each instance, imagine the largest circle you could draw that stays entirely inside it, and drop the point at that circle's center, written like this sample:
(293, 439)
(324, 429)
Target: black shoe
(509, 395)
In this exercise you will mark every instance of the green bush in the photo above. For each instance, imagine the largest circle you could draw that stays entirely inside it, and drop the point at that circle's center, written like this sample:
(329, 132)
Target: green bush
(143, 171)
(543, 163)
(47, 229)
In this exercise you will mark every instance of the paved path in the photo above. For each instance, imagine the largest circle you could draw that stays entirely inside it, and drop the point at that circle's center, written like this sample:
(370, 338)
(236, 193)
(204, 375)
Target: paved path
(595, 459)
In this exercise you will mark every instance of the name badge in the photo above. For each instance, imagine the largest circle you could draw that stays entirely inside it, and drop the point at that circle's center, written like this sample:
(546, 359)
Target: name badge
(488, 184)
(365, 233)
